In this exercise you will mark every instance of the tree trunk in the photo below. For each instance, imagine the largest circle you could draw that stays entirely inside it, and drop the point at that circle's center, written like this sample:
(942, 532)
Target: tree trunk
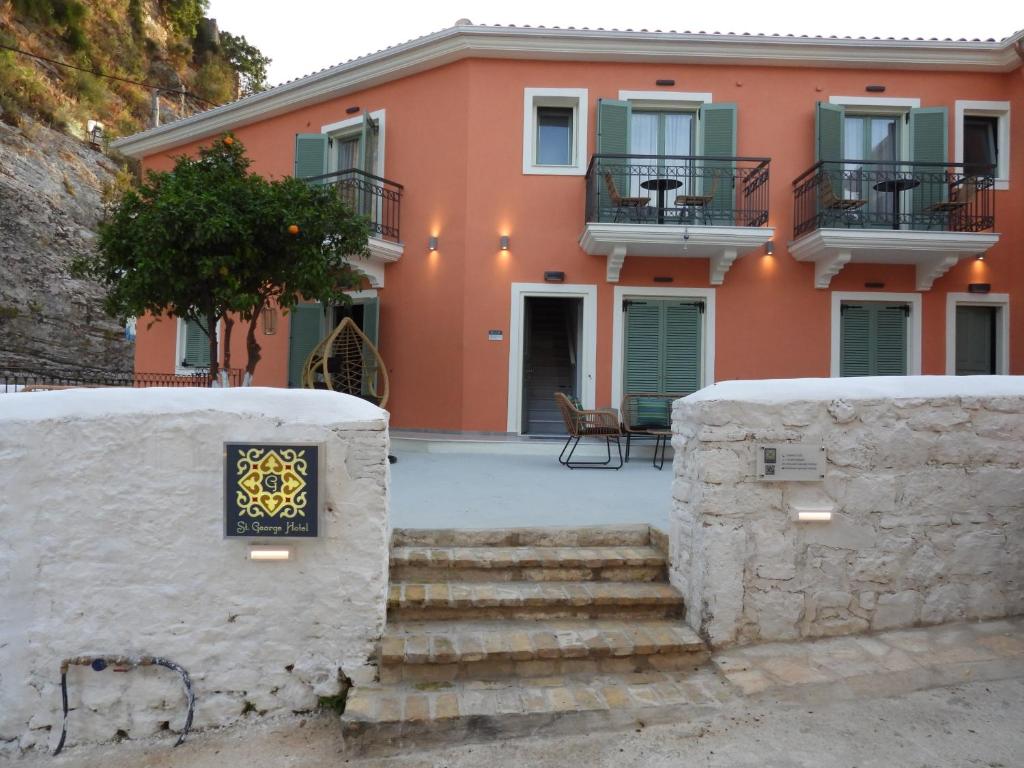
(252, 347)
(211, 334)
(229, 323)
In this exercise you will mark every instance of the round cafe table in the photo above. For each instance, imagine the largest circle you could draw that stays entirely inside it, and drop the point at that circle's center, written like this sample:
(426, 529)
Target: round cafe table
(894, 187)
(659, 186)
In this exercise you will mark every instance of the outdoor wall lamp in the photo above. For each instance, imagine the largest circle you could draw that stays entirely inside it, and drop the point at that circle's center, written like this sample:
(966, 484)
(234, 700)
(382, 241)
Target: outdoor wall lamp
(432, 244)
(263, 553)
(269, 321)
(503, 242)
(769, 247)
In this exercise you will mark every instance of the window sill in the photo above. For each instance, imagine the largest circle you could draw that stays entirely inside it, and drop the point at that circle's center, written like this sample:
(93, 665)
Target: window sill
(554, 170)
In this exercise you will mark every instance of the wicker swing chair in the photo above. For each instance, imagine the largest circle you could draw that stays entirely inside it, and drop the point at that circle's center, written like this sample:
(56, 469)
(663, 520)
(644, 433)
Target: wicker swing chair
(347, 361)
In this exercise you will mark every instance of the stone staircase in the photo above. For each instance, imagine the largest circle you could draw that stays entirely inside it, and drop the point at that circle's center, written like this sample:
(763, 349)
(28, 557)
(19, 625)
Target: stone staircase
(498, 633)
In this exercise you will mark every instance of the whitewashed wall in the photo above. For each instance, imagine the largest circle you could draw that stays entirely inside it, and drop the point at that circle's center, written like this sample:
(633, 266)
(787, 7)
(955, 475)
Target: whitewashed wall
(112, 542)
(927, 477)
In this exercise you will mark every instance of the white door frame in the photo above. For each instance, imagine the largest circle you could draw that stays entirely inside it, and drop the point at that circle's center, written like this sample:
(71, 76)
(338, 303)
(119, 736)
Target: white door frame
(999, 300)
(882, 297)
(622, 292)
(516, 333)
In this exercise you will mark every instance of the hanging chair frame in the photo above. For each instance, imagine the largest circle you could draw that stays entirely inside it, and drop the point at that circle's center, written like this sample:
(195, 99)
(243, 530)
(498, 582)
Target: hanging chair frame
(358, 368)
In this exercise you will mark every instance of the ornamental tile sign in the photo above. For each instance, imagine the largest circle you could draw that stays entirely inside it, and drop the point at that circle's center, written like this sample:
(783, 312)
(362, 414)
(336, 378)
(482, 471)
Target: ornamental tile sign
(271, 490)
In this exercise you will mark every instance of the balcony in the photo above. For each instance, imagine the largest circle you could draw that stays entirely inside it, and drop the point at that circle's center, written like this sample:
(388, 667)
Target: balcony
(677, 206)
(930, 215)
(380, 201)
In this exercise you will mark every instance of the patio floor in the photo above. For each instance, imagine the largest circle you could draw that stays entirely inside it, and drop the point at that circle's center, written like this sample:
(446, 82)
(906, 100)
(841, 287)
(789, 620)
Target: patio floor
(443, 483)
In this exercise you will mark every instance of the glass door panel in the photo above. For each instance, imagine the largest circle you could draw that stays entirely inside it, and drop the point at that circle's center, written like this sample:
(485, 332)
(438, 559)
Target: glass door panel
(871, 138)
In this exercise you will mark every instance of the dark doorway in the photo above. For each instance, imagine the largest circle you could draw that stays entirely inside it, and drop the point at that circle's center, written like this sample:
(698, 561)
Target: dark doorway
(551, 339)
(976, 340)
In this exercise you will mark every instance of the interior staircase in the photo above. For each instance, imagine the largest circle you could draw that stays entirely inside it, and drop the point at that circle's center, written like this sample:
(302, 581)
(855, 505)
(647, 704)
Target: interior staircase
(496, 633)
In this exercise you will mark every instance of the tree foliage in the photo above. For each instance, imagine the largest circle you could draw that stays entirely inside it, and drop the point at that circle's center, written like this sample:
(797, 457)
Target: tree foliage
(247, 60)
(210, 241)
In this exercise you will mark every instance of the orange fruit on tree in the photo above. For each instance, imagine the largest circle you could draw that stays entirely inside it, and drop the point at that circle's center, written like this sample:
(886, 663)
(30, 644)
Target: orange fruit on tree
(293, 229)
(228, 141)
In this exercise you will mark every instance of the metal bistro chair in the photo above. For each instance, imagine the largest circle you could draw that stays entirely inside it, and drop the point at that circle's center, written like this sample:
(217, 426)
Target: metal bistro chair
(633, 205)
(962, 194)
(580, 423)
(836, 208)
(647, 415)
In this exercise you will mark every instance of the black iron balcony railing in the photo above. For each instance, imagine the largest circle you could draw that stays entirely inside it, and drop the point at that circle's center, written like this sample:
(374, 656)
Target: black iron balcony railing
(893, 195)
(376, 198)
(678, 189)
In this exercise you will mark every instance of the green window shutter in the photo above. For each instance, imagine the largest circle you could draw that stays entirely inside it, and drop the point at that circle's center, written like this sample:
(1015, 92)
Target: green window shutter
(304, 334)
(682, 348)
(718, 139)
(369, 141)
(873, 340)
(613, 127)
(828, 132)
(928, 142)
(310, 155)
(891, 341)
(371, 319)
(855, 340)
(197, 344)
(644, 333)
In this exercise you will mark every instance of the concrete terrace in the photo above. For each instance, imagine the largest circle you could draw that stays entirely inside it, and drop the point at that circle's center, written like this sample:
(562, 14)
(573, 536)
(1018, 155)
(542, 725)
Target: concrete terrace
(447, 481)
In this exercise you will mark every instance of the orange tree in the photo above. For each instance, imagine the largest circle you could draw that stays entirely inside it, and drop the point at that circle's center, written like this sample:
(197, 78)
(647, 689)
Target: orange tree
(210, 241)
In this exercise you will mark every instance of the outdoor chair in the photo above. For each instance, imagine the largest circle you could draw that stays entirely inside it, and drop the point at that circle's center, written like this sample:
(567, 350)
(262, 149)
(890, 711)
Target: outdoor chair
(347, 361)
(647, 415)
(688, 203)
(835, 207)
(631, 205)
(961, 196)
(580, 423)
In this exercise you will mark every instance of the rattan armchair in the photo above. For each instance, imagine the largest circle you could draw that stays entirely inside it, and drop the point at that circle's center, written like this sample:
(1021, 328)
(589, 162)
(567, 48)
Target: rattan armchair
(647, 415)
(580, 423)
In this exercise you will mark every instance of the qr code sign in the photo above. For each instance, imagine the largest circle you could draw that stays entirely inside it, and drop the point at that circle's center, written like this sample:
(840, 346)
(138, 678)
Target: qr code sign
(769, 469)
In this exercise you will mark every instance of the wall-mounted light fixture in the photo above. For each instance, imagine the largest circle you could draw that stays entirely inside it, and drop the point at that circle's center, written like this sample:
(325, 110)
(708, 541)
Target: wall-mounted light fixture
(981, 257)
(351, 110)
(979, 287)
(269, 554)
(769, 247)
(664, 82)
(554, 277)
(663, 279)
(874, 284)
(814, 515)
(503, 242)
(432, 244)
(875, 89)
(269, 321)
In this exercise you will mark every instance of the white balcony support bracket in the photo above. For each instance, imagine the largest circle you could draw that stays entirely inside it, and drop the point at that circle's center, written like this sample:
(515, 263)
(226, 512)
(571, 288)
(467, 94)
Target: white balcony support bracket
(829, 267)
(381, 253)
(720, 264)
(930, 271)
(615, 259)
(720, 245)
(932, 253)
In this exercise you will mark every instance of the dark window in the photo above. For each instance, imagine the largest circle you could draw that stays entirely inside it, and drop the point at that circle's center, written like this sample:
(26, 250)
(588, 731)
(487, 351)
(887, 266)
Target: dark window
(554, 136)
(981, 152)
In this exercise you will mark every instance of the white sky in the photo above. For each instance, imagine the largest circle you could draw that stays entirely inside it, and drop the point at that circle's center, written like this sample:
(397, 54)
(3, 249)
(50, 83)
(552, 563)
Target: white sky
(302, 36)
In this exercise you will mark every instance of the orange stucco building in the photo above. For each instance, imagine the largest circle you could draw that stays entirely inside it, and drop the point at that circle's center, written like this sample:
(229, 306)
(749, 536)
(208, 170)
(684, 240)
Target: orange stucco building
(604, 212)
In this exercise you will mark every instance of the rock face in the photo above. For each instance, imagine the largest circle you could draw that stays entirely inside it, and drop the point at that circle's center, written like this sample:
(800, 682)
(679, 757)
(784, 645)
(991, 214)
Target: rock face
(50, 202)
(927, 495)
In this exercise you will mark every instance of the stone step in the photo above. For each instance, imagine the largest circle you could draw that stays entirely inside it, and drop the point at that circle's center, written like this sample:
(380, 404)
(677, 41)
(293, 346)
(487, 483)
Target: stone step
(592, 536)
(409, 601)
(445, 651)
(550, 563)
(383, 719)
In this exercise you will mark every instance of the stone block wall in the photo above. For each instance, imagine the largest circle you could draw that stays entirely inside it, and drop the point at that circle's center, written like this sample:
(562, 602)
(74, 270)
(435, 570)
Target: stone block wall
(926, 476)
(113, 543)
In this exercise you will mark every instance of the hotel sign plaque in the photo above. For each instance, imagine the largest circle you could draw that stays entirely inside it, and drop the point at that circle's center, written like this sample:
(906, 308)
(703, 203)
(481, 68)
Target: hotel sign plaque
(271, 490)
(791, 462)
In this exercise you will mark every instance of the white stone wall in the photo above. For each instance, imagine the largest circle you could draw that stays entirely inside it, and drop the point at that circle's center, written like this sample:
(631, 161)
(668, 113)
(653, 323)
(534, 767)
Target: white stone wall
(926, 477)
(112, 543)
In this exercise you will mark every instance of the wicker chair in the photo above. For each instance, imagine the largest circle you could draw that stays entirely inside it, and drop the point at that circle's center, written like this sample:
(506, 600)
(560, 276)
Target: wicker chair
(961, 195)
(835, 207)
(579, 423)
(634, 205)
(689, 203)
(646, 415)
(347, 361)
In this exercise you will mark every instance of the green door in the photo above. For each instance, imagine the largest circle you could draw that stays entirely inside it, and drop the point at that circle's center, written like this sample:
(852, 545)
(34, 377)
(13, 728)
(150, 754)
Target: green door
(306, 331)
(976, 341)
(873, 339)
(663, 340)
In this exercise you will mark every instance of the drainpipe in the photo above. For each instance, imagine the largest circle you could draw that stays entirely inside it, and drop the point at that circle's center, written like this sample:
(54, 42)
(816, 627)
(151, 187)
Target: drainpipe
(156, 108)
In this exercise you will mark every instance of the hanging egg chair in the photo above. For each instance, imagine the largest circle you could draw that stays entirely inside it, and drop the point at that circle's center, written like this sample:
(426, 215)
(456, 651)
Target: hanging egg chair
(347, 361)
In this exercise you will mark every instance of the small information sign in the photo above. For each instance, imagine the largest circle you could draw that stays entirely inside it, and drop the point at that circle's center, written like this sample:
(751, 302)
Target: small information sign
(495, 335)
(790, 462)
(271, 490)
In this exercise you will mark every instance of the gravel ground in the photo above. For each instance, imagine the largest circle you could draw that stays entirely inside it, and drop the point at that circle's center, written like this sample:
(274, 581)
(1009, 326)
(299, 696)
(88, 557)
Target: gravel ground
(976, 724)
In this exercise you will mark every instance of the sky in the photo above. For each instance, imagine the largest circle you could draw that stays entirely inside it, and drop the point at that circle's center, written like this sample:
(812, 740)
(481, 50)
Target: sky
(303, 36)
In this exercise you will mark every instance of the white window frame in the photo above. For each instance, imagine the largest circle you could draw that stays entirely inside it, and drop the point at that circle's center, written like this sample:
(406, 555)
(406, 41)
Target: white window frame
(179, 348)
(999, 300)
(353, 126)
(621, 293)
(683, 101)
(574, 98)
(516, 333)
(996, 109)
(913, 335)
(883, 106)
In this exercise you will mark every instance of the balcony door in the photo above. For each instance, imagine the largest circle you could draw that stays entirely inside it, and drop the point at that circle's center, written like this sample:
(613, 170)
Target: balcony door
(874, 138)
(659, 133)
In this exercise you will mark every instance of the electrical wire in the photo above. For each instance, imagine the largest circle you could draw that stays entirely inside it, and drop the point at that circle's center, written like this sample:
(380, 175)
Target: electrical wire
(97, 73)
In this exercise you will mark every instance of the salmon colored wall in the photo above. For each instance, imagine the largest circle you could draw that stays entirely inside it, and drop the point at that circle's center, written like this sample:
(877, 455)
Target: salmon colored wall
(453, 138)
